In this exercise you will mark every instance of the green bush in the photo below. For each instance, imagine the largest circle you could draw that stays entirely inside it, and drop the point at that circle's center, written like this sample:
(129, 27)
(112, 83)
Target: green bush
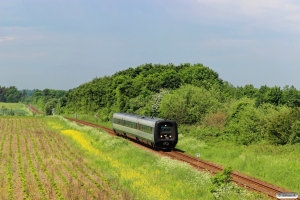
(284, 128)
(188, 104)
(244, 122)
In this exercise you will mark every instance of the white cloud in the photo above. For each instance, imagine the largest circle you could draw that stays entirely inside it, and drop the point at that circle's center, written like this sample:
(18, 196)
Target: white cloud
(274, 15)
(20, 56)
(226, 43)
(8, 38)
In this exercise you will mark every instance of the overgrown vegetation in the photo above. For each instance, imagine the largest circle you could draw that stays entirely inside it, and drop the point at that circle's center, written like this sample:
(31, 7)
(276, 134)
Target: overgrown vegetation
(189, 94)
(222, 185)
(11, 94)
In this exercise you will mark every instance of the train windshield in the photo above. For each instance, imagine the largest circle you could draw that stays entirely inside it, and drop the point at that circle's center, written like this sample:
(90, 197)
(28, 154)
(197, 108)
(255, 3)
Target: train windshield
(165, 128)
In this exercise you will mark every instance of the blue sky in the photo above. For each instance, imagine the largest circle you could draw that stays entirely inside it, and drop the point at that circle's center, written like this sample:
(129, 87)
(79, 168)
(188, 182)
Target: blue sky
(63, 44)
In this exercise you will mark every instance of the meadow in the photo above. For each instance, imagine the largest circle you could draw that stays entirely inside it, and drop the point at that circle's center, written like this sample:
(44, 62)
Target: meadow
(17, 108)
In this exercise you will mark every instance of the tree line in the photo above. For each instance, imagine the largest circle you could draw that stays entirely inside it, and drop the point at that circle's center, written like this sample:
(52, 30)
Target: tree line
(189, 94)
(11, 94)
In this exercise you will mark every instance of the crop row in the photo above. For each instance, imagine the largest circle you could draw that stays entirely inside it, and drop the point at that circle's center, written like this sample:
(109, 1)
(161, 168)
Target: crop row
(37, 163)
(73, 164)
(78, 166)
(46, 171)
(34, 172)
(21, 170)
(9, 170)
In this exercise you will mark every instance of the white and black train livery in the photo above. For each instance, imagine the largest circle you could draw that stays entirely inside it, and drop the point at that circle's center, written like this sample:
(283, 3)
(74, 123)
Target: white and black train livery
(159, 133)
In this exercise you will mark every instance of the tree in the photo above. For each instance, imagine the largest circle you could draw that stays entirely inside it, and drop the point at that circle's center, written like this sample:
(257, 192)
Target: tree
(284, 127)
(295, 133)
(50, 105)
(3, 94)
(170, 80)
(290, 96)
(199, 75)
(261, 95)
(274, 95)
(247, 91)
(13, 95)
(245, 122)
(188, 104)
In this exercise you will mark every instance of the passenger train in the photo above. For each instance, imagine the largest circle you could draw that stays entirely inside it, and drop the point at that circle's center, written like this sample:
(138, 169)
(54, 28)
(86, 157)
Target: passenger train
(156, 132)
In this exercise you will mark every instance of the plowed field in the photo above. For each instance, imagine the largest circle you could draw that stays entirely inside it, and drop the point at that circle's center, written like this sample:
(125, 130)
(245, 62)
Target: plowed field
(38, 163)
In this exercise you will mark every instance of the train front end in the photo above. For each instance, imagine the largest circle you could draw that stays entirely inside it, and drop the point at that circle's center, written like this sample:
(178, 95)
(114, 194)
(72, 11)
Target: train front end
(165, 134)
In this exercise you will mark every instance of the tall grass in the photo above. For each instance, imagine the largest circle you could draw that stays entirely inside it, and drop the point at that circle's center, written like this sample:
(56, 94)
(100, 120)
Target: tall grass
(275, 164)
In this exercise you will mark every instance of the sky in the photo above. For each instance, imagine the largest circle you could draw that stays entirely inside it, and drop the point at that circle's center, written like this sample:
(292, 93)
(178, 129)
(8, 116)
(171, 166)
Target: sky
(61, 44)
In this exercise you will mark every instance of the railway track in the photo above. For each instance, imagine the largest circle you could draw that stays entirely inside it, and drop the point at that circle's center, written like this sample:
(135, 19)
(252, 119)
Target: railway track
(33, 109)
(240, 179)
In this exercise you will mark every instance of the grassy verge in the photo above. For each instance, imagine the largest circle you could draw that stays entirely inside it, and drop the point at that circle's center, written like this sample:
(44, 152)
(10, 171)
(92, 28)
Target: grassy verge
(278, 165)
(89, 118)
(140, 173)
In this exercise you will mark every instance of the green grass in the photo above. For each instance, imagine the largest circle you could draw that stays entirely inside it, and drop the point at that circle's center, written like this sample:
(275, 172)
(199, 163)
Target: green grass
(275, 164)
(278, 165)
(89, 118)
(143, 174)
(18, 108)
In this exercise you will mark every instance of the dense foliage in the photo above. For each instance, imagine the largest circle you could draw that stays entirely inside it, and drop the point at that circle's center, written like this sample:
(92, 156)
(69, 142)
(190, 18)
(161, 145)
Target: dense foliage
(11, 94)
(47, 99)
(189, 94)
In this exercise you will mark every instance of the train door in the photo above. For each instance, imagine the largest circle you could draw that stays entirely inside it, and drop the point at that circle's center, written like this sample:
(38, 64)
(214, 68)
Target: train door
(138, 125)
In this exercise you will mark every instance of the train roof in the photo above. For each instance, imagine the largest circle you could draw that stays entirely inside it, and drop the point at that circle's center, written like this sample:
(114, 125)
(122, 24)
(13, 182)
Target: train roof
(133, 116)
